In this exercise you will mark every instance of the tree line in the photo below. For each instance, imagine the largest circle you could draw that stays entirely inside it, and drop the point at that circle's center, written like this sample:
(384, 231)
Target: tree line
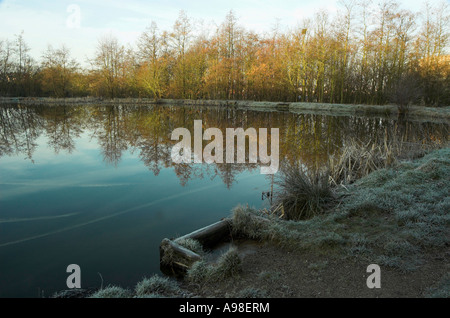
(366, 53)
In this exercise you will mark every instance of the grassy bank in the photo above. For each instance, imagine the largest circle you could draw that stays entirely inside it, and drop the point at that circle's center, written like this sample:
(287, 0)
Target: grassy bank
(392, 217)
(395, 217)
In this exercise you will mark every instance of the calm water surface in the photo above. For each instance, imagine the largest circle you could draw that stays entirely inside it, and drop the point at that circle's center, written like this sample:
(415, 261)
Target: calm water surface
(95, 185)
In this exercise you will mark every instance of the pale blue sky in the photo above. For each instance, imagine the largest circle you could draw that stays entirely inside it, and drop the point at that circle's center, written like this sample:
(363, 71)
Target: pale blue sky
(45, 22)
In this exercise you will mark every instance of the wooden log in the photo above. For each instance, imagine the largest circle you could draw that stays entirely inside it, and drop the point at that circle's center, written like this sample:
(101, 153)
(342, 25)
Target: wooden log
(211, 235)
(176, 259)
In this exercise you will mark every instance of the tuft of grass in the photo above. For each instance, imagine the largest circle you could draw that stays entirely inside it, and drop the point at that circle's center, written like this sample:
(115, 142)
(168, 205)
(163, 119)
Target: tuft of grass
(198, 273)
(302, 195)
(245, 223)
(156, 285)
(112, 292)
(227, 266)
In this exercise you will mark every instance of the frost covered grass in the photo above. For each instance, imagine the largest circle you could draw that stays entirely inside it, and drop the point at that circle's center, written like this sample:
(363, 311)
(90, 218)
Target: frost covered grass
(188, 243)
(320, 231)
(228, 265)
(402, 211)
(153, 287)
(156, 286)
(112, 292)
(393, 216)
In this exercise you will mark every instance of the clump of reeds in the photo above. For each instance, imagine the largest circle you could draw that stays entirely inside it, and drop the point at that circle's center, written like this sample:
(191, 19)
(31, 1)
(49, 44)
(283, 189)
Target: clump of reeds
(156, 285)
(302, 194)
(356, 161)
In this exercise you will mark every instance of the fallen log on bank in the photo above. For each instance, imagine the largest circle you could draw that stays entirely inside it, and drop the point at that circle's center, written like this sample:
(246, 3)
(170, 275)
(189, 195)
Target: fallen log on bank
(176, 259)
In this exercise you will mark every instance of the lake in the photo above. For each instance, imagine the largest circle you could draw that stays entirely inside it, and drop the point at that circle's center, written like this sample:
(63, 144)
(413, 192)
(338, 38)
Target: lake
(96, 186)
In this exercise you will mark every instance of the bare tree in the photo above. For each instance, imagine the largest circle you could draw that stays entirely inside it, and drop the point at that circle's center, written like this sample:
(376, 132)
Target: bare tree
(108, 63)
(58, 69)
(6, 66)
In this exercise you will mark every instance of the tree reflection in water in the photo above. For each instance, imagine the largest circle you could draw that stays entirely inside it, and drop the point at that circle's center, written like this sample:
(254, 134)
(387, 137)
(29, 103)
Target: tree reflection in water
(306, 139)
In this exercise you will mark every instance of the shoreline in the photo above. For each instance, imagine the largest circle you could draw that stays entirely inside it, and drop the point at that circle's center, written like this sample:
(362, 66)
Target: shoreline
(414, 112)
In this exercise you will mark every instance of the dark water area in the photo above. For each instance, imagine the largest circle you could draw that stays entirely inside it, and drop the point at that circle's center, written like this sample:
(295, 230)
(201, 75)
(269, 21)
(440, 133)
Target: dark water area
(96, 185)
